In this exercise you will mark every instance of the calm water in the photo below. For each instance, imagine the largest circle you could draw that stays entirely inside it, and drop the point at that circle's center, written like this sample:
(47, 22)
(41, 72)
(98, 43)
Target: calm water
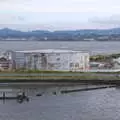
(101, 104)
(93, 47)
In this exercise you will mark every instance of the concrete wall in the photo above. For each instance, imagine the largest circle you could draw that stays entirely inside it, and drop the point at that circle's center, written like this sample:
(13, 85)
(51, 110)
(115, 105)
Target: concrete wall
(19, 60)
(79, 61)
(104, 70)
(58, 61)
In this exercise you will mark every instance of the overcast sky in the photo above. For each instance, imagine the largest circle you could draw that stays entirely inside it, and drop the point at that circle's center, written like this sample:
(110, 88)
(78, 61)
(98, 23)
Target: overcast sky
(59, 14)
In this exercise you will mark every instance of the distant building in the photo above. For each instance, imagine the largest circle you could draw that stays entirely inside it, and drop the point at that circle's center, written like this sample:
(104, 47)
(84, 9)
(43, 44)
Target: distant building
(89, 39)
(51, 59)
(5, 64)
(100, 65)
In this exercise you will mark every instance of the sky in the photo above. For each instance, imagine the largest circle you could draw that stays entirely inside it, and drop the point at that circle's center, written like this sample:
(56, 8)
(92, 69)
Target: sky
(59, 14)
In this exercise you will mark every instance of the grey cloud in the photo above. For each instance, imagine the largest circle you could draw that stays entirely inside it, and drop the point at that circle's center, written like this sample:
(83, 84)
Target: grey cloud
(19, 18)
(11, 19)
(7, 0)
(112, 20)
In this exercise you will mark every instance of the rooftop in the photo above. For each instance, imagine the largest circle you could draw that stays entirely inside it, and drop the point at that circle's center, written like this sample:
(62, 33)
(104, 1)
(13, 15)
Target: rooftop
(50, 51)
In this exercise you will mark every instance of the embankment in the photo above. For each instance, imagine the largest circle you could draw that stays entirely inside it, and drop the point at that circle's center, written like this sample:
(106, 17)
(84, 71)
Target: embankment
(61, 77)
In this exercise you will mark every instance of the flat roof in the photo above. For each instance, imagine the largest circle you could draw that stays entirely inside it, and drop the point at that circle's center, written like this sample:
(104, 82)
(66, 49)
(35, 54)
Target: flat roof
(50, 51)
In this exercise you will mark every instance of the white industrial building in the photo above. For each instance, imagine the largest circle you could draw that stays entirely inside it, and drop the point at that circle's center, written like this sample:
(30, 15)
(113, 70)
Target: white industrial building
(51, 59)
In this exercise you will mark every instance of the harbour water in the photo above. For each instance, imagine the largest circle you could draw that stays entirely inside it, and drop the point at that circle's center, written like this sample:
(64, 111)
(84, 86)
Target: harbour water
(94, 47)
(103, 104)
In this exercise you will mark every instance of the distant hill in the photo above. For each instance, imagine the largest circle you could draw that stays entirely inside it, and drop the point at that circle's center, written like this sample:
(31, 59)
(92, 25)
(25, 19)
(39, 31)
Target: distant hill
(70, 35)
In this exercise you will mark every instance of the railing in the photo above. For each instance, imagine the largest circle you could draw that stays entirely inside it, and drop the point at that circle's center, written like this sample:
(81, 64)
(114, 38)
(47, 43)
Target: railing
(104, 70)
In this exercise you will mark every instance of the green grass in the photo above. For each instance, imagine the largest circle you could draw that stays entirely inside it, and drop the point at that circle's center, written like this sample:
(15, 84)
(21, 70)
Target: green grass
(69, 77)
(55, 72)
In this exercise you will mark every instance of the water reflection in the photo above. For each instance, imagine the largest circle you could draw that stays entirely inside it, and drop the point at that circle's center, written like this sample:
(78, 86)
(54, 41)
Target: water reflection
(103, 104)
(33, 90)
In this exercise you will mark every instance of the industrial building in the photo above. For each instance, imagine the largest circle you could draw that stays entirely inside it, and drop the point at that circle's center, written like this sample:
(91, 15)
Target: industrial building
(50, 59)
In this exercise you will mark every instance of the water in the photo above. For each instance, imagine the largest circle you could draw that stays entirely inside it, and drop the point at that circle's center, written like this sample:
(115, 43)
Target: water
(101, 104)
(94, 47)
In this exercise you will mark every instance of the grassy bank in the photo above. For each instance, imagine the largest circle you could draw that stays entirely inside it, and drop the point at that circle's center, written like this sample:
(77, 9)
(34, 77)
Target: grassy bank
(39, 74)
(59, 76)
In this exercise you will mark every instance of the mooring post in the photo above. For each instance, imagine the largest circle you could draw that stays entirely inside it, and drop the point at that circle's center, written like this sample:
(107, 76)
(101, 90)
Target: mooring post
(3, 95)
(23, 94)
